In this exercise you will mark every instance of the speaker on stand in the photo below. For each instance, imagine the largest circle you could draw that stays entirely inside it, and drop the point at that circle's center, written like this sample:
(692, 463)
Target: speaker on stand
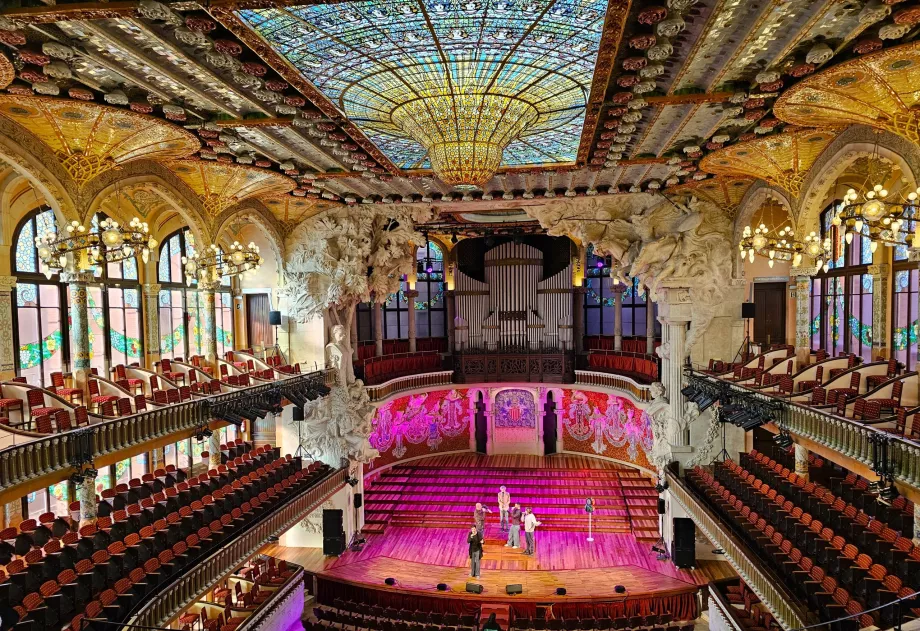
(274, 319)
(748, 313)
(333, 531)
(683, 543)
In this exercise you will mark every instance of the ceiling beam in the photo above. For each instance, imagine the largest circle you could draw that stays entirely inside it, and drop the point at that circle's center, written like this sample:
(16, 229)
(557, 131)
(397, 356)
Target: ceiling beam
(76, 11)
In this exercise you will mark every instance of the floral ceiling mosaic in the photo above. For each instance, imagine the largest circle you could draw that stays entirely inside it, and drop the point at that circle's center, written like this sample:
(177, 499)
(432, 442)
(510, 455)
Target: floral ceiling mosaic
(372, 59)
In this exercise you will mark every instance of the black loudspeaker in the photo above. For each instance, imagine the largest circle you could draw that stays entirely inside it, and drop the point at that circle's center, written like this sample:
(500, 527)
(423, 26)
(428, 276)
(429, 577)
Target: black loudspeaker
(442, 587)
(619, 589)
(683, 543)
(747, 310)
(359, 500)
(661, 508)
(298, 413)
(274, 318)
(516, 588)
(390, 581)
(560, 591)
(334, 546)
(332, 521)
(474, 588)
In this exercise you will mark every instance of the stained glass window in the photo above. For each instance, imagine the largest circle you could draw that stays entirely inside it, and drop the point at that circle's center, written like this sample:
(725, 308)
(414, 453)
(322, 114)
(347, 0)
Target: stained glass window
(430, 311)
(600, 310)
(904, 318)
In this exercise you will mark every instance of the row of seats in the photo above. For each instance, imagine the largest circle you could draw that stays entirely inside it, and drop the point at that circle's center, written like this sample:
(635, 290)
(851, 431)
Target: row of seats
(367, 350)
(643, 366)
(109, 567)
(627, 344)
(380, 369)
(746, 605)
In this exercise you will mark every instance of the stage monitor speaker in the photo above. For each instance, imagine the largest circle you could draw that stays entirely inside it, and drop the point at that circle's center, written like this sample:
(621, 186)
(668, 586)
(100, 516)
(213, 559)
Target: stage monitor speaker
(560, 591)
(748, 310)
(442, 587)
(334, 546)
(274, 318)
(683, 543)
(515, 588)
(390, 581)
(474, 588)
(333, 518)
(619, 589)
(661, 506)
(359, 500)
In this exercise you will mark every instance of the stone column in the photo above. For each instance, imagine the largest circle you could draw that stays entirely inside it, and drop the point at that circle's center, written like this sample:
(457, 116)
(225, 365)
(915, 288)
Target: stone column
(649, 324)
(578, 318)
(617, 318)
(86, 492)
(208, 321)
(677, 334)
(412, 294)
(152, 323)
(880, 291)
(79, 325)
(7, 353)
(675, 314)
(451, 331)
(916, 524)
(801, 461)
(214, 450)
(378, 328)
(12, 513)
(802, 313)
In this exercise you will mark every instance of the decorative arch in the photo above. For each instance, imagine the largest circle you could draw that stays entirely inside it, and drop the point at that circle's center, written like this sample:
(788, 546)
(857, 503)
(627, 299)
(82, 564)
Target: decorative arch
(854, 143)
(752, 201)
(260, 216)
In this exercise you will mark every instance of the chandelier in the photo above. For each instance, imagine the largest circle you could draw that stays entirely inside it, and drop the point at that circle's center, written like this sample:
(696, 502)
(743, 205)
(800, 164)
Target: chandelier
(215, 263)
(82, 250)
(879, 215)
(465, 134)
(775, 245)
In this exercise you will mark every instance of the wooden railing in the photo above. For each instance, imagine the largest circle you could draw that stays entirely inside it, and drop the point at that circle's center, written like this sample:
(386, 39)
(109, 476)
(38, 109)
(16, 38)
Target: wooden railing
(850, 438)
(768, 587)
(722, 615)
(410, 382)
(623, 383)
(22, 463)
(196, 582)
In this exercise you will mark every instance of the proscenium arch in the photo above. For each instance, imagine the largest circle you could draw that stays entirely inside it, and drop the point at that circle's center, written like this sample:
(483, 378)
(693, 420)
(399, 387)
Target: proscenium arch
(855, 143)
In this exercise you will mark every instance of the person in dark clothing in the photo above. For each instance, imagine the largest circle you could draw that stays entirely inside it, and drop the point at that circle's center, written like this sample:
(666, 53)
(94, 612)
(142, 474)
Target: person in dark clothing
(491, 624)
(474, 538)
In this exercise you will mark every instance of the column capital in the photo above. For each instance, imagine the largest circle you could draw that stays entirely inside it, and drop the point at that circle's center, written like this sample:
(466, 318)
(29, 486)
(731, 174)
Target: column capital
(880, 269)
(7, 283)
(78, 277)
(152, 289)
(411, 293)
(803, 271)
(208, 285)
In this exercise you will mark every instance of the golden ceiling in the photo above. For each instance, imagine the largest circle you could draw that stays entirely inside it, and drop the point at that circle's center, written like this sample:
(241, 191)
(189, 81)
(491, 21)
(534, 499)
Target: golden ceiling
(221, 185)
(782, 160)
(7, 71)
(90, 139)
(879, 90)
(292, 210)
(724, 192)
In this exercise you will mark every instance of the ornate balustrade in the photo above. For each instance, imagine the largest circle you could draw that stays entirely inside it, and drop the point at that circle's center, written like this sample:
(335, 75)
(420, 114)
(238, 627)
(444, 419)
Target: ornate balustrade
(641, 392)
(22, 463)
(763, 582)
(411, 382)
(546, 366)
(848, 437)
(180, 593)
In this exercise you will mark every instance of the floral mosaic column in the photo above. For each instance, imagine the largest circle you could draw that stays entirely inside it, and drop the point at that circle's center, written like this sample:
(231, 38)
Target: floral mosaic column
(802, 312)
(916, 524)
(801, 461)
(880, 290)
(208, 321)
(80, 354)
(152, 322)
(214, 450)
(7, 353)
(86, 491)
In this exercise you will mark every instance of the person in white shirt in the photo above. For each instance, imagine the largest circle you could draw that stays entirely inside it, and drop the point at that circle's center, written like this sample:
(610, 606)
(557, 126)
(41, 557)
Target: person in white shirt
(504, 505)
(530, 524)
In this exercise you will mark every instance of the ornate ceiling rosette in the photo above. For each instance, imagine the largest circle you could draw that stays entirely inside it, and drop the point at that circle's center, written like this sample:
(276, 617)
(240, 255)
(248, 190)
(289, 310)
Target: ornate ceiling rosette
(461, 88)
(89, 138)
(724, 192)
(221, 185)
(782, 160)
(878, 90)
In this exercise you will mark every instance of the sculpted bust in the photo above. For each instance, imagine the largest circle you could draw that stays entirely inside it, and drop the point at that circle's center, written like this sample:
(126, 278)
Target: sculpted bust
(338, 355)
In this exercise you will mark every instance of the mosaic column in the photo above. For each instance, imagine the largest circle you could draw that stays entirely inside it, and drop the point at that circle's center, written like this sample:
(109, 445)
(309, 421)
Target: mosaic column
(7, 354)
(649, 325)
(80, 353)
(617, 318)
(412, 294)
(152, 323)
(578, 319)
(86, 494)
(208, 321)
(12, 513)
(880, 290)
(916, 524)
(801, 461)
(802, 313)
(378, 329)
(214, 450)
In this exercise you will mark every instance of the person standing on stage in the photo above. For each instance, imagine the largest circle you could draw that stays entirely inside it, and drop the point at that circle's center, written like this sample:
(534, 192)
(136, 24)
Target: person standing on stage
(530, 524)
(474, 538)
(514, 531)
(504, 504)
(479, 516)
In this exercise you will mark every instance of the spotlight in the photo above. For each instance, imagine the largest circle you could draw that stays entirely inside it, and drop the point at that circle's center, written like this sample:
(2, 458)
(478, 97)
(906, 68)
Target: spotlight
(453, 238)
(352, 481)
(390, 581)
(887, 493)
(783, 440)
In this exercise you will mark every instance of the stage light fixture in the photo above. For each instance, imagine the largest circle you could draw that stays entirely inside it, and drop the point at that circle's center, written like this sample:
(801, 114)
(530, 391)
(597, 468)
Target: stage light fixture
(619, 589)
(783, 440)
(442, 587)
(353, 481)
(887, 491)
(390, 581)
(560, 591)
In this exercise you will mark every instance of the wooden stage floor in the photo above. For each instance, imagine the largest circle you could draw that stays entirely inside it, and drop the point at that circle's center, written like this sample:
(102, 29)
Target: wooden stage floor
(419, 558)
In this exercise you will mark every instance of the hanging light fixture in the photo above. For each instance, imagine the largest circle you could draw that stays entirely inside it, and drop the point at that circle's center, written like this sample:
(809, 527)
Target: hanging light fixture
(774, 244)
(215, 263)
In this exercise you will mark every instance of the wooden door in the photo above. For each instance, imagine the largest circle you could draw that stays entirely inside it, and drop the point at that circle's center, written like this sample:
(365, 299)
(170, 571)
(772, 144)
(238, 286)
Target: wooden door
(770, 316)
(258, 331)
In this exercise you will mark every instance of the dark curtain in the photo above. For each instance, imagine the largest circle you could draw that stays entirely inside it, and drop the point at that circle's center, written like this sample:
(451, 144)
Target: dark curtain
(258, 331)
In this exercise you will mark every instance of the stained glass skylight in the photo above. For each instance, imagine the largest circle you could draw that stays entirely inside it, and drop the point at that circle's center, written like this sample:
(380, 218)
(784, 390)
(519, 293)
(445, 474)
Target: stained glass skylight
(375, 58)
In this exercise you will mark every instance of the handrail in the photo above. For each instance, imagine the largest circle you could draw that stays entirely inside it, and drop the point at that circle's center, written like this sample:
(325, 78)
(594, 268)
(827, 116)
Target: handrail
(189, 587)
(848, 437)
(54, 453)
(613, 381)
(763, 582)
(381, 391)
(278, 599)
(719, 605)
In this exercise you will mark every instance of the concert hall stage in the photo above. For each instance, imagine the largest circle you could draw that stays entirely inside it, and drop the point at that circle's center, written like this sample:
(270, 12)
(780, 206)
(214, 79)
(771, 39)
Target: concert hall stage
(421, 556)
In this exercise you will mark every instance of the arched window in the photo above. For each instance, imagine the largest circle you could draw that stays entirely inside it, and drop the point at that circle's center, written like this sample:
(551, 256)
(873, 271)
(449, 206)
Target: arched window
(841, 297)
(430, 310)
(39, 328)
(599, 303)
(904, 327)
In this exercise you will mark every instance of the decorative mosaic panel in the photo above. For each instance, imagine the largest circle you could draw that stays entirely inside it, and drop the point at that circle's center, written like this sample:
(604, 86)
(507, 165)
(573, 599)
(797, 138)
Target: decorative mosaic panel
(514, 409)
(606, 425)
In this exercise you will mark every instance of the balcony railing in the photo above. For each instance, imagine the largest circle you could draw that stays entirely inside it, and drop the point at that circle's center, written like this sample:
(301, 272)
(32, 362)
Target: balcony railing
(58, 453)
(612, 381)
(866, 444)
(410, 382)
(189, 587)
(722, 615)
(768, 587)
